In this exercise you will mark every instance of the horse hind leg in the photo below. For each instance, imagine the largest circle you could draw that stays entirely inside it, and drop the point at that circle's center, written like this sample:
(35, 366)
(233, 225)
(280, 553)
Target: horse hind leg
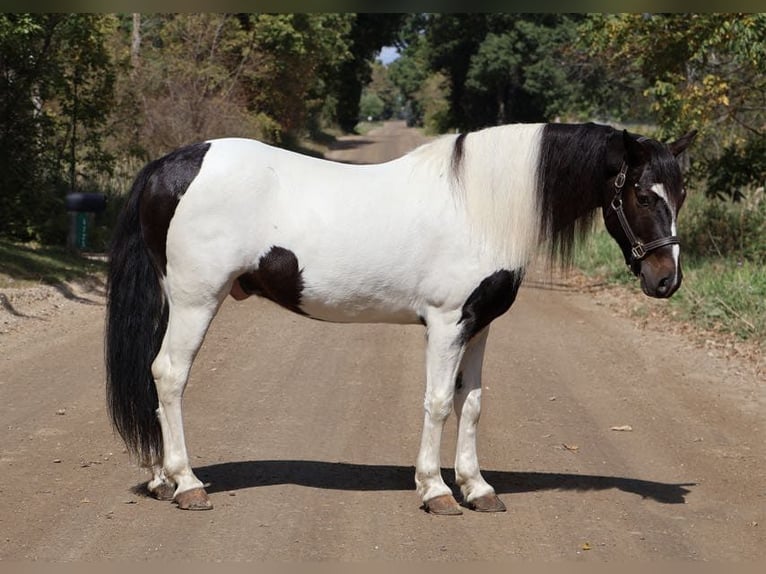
(160, 486)
(187, 324)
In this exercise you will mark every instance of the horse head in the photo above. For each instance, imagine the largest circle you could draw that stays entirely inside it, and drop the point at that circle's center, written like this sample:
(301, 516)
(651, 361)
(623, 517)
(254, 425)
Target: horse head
(641, 206)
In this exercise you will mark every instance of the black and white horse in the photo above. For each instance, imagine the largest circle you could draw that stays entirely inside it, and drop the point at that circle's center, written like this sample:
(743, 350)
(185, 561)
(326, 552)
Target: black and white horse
(440, 237)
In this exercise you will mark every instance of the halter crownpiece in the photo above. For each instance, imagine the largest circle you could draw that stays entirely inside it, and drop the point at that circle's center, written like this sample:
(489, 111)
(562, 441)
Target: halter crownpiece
(638, 249)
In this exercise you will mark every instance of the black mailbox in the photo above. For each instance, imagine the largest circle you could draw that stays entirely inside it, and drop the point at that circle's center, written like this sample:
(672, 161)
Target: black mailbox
(86, 202)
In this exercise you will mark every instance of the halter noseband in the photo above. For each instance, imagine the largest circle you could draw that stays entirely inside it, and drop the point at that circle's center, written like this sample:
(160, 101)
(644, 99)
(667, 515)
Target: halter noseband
(638, 249)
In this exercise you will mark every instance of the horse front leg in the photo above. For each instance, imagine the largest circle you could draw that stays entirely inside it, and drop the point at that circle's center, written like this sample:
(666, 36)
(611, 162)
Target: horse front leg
(477, 493)
(444, 351)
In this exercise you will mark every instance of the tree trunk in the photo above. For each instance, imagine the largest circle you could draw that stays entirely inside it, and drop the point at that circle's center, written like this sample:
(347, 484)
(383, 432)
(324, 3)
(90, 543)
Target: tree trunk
(135, 45)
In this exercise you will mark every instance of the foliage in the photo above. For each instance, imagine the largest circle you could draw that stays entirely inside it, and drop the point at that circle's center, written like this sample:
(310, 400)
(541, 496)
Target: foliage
(711, 227)
(725, 295)
(721, 293)
(55, 95)
(410, 71)
(502, 68)
(210, 75)
(701, 70)
(371, 106)
(740, 166)
(368, 34)
(384, 88)
(433, 101)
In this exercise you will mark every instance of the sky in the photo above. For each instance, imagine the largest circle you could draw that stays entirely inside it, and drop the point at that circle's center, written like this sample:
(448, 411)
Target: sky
(388, 54)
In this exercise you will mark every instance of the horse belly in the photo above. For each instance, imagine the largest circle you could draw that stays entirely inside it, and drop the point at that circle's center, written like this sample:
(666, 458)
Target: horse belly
(351, 302)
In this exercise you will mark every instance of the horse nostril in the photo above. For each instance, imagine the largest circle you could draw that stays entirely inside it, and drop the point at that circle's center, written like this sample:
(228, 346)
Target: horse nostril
(664, 285)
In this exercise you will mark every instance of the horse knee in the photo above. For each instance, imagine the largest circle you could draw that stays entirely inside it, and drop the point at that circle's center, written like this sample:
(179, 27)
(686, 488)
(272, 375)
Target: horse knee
(438, 406)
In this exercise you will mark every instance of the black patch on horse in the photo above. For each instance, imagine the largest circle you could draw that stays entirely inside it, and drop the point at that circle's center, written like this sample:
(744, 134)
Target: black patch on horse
(572, 173)
(458, 152)
(167, 179)
(493, 297)
(277, 278)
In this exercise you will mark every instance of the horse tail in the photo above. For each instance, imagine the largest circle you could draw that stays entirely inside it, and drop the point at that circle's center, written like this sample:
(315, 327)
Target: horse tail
(136, 321)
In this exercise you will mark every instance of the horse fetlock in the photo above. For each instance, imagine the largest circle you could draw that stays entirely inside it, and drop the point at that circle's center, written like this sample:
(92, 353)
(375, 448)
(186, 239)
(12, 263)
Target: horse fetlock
(474, 488)
(430, 485)
(160, 486)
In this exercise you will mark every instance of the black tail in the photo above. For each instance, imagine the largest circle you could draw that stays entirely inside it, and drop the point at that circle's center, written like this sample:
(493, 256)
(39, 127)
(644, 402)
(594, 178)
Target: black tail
(136, 321)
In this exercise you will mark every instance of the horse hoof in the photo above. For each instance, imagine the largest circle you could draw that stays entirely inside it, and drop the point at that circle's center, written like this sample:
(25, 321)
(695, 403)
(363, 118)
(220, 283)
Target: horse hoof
(444, 505)
(487, 503)
(163, 492)
(194, 499)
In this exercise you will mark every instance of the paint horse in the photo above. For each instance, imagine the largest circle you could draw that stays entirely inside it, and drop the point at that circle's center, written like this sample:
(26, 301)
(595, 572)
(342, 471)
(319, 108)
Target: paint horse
(440, 237)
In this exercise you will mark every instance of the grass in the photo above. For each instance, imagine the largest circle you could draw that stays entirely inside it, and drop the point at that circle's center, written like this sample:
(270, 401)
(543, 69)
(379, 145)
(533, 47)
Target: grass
(28, 264)
(721, 294)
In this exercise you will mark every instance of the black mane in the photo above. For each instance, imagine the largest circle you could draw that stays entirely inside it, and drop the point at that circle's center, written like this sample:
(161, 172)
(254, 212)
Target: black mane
(571, 172)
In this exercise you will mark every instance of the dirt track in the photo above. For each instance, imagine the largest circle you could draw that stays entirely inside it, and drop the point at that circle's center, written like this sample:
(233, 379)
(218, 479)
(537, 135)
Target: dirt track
(307, 433)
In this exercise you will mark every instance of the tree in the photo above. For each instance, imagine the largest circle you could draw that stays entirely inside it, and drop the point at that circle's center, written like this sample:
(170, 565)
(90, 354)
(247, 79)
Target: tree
(502, 67)
(55, 96)
(384, 89)
(701, 70)
(369, 33)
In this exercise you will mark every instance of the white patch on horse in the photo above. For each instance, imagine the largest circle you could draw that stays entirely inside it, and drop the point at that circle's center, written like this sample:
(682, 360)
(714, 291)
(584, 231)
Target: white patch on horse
(661, 192)
(500, 194)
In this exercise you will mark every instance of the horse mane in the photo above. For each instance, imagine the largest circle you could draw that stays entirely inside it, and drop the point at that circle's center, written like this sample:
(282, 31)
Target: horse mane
(492, 173)
(523, 185)
(570, 178)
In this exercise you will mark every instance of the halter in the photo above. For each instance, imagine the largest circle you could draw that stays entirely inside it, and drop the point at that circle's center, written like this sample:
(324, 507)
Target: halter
(638, 249)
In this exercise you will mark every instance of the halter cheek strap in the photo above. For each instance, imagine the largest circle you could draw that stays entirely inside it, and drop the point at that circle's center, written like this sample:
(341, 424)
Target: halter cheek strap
(638, 249)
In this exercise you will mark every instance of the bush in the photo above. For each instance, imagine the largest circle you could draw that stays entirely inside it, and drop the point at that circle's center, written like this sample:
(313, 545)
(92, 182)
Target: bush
(711, 227)
(739, 167)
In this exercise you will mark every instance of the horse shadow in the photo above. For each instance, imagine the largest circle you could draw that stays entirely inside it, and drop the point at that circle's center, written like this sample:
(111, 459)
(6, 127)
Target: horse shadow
(232, 476)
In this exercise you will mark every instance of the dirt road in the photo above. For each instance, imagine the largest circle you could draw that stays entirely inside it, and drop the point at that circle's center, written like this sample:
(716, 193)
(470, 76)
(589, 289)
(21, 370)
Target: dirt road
(307, 433)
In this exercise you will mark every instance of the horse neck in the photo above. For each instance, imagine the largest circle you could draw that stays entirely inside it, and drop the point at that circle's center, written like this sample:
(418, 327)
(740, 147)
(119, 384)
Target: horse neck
(571, 175)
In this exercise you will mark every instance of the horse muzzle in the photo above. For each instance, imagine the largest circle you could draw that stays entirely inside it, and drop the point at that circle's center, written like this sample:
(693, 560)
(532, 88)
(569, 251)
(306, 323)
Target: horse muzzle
(659, 281)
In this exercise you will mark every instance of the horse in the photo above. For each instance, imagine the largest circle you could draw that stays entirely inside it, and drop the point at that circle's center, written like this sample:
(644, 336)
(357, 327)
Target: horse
(440, 237)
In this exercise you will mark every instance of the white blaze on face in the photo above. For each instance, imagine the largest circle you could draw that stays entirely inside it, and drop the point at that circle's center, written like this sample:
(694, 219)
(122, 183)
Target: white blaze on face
(659, 189)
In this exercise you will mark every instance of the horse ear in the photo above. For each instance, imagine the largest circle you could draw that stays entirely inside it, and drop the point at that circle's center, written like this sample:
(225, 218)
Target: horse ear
(635, 152)
(678, 146)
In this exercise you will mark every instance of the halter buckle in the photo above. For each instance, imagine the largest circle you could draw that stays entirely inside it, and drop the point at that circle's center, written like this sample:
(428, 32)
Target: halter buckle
(638, 251)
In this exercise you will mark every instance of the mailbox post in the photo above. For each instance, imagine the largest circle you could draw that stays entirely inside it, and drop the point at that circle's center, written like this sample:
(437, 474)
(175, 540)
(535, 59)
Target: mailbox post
(81, 207)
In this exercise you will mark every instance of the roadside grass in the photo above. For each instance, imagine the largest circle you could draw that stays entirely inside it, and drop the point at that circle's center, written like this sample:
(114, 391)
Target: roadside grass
(720, 294)
(23, 264)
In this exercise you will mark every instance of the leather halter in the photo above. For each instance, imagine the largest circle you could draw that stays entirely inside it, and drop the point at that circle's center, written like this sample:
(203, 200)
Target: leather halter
(638, 248)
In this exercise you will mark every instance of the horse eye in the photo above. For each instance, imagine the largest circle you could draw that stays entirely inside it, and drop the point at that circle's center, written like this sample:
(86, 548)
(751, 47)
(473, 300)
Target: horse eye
(643, 199)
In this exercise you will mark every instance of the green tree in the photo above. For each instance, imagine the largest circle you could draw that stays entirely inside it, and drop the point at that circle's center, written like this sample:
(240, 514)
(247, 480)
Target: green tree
(410, 71)
(701, 70)
(502, 67)
(384, 88)
(55, 95)
(369, 33)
